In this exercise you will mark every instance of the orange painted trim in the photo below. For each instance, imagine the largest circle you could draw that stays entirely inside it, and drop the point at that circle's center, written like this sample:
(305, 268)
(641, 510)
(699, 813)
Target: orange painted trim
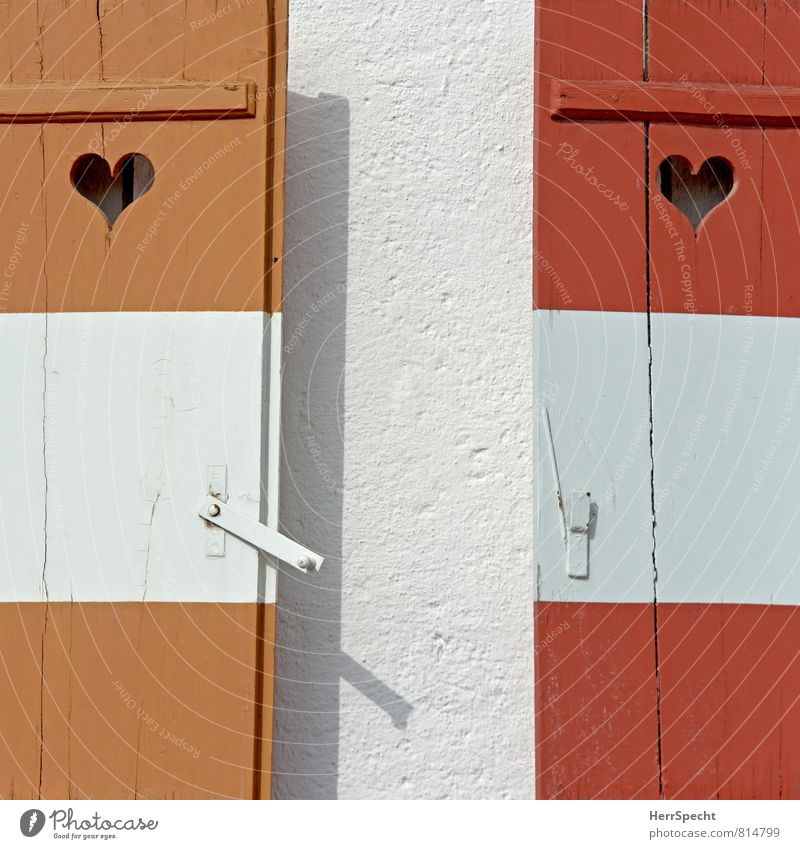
(143, 101)
(135, 700)
(629, 100)
(276, 153)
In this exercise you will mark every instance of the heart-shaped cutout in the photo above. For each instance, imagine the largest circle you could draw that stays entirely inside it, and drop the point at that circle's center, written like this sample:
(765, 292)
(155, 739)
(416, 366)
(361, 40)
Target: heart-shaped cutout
(92, 177)
(695, 193)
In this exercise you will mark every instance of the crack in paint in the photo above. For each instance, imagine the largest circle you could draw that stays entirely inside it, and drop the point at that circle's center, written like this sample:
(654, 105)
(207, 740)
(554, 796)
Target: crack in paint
(652, 458)
(40, 40)
(764, 51)
(100, 30)
(646, 77)
(149, 544)
(138, 759)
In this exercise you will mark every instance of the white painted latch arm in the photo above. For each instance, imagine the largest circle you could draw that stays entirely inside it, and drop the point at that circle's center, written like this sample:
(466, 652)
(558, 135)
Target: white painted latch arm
(259, 536)
(580, 517)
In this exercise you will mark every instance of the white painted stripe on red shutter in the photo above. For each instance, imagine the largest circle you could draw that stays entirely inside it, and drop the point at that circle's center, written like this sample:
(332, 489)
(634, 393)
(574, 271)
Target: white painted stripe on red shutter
(592, 377)
(726, 413)
(726, 441)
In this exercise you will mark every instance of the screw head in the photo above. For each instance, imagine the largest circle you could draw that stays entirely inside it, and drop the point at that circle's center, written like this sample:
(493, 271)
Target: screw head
(213, 510)
(305, 563)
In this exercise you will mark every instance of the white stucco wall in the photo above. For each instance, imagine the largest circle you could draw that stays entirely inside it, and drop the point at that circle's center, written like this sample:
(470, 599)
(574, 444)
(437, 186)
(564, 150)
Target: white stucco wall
(405, 669)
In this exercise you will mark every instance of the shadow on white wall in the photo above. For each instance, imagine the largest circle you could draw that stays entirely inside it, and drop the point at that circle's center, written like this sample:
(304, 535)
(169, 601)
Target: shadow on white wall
(309, 662)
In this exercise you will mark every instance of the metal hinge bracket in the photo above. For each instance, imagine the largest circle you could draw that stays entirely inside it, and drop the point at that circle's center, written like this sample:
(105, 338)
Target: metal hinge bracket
(254, 533)
(580, 517)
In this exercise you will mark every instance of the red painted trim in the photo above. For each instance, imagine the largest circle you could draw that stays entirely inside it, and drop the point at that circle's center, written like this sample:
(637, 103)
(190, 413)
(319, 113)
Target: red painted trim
(682, 102)
(730, 707)
(596, 718)
(729, 703)
(589, 241)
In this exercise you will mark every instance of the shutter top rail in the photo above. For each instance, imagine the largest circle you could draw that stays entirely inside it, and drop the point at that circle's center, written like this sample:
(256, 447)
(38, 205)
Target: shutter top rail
(684, 102)
(155, 100)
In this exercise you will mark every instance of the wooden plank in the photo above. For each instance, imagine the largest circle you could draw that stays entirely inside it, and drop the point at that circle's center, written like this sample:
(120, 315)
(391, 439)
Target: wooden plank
(595, 691)
(159, 24)
(20, 57)
(22, 489)
(143, 101)
(69, 40)
(596, 720)
(721, 380)
(731, 711)
(278, 32)
(201, 668)
(683, 102)
(589, 226)
(21, 630)
(780, 213)
(148, 701)
(717, 41)
(275, 107)
(195, 241)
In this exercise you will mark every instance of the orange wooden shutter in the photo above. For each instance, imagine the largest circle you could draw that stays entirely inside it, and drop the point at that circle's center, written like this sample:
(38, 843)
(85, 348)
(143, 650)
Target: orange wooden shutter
(136, 642)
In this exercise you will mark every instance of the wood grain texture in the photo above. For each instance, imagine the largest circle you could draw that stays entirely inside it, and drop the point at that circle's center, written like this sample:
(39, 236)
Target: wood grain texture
(730, 709)
(21, 631)
(161, 25)
(208, 235)
(595, 694)
(148, 701)
(69, 40)
(707, 40)
(589, 231)
(195, 241)
(278, 32)
(780, 214)
(781, 67)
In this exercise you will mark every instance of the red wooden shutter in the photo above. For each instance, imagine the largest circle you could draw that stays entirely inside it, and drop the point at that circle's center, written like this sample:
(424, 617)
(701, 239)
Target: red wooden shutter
(668, 363)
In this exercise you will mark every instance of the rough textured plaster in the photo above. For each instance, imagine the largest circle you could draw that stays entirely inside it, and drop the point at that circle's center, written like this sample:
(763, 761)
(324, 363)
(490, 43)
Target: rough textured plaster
(405, 667)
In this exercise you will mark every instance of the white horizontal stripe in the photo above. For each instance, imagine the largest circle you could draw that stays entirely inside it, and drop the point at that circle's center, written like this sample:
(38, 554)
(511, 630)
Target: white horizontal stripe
(136, 407)
(726, 405)
(592, 377)
(726, 444)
